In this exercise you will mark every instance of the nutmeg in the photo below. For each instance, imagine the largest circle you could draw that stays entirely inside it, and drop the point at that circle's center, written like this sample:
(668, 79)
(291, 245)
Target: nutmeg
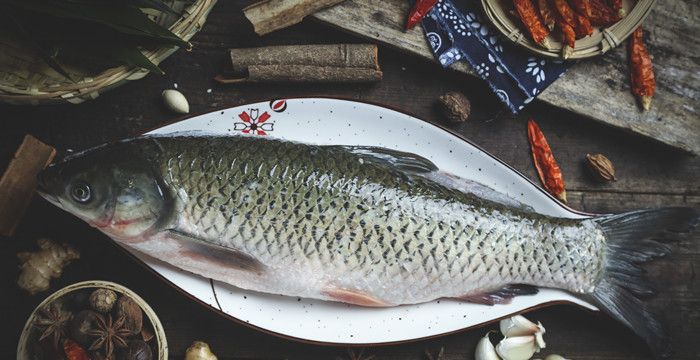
(102, 300)
(455, 106)
(133, 315)
(81, 326)
(601, 167)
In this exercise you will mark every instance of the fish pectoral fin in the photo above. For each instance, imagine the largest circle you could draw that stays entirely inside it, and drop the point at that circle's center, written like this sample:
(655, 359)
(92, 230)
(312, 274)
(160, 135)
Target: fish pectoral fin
(501, 296)
(201, 250)
(354, 297)
(402, 160)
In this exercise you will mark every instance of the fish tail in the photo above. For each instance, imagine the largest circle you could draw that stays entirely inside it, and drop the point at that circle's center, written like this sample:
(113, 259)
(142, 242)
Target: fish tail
(621, 290)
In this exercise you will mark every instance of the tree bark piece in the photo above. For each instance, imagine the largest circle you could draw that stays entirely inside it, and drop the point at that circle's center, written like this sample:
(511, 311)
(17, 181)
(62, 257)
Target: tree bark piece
(270, 15)
(19, 181)
(306, 63)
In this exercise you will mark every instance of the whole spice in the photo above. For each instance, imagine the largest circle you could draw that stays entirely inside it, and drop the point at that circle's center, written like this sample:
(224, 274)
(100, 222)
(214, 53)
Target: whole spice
(102, 300)
(420, 9)
(485, 349)
(53, 322)
(175, 101)
(601, 166)
(127, 308)
(40, 267)
(546, 13)
(547, 168)
(74, 351)
(566, 23)
(528, 15)
(136, 350)
(199, 350)
(455, 106)
(109, 334)
(641, 69)
(81, 326)
(583, 26)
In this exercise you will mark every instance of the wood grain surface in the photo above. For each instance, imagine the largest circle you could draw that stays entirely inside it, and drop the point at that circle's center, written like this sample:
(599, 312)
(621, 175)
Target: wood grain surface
(650, 175)
(597, 88)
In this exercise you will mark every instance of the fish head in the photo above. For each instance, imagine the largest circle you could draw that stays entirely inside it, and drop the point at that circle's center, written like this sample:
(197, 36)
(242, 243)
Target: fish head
(111, 188)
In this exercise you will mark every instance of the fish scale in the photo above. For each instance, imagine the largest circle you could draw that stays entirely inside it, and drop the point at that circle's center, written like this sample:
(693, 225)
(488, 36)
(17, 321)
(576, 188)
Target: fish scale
(359, 225)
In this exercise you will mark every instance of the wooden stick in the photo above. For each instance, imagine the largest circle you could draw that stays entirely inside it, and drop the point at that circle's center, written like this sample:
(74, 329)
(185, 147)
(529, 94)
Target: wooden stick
(305, 73)
(19, 181)
(337, 55)
(270, 15)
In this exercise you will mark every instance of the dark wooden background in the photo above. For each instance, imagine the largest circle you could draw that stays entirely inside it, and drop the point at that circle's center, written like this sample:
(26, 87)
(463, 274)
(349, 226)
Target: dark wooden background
(650, 175)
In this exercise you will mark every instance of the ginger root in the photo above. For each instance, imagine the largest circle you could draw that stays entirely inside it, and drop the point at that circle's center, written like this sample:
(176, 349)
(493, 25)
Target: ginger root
(38, 268)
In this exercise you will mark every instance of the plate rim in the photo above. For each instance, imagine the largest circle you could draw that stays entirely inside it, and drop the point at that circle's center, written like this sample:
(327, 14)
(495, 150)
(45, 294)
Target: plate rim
(218, 311)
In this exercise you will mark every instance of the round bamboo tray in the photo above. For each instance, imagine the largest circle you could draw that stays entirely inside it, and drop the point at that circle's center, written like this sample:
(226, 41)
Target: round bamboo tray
(23, 352)
(26, 80)
(602, 39)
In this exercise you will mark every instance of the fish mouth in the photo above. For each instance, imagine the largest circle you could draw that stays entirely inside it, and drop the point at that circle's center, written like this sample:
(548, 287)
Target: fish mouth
(43, 189)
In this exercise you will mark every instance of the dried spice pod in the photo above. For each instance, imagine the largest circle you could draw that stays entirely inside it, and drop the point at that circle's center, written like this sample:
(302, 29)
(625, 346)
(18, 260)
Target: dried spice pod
(74, 351)
(547, 168)
(583, 26)
(82, 324)
(566, 22)
(546, 13)
(455, 106)
(420, 9)
(529, 16)
(132, 313)
(616, 5)
(583, 7)
(641, 70)
(602, 14)
(53, 323)
(601, 166)
(102, 300)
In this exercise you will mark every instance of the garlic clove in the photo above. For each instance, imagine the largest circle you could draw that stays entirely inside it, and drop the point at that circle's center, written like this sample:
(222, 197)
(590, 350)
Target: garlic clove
(199, 350)
(555, 357)
(485, 349)
(518, 325)
(517, 348)
(539, 340)
(175, 101)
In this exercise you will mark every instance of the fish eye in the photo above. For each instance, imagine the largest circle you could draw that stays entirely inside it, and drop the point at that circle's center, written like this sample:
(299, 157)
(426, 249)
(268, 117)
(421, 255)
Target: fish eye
(81, 192)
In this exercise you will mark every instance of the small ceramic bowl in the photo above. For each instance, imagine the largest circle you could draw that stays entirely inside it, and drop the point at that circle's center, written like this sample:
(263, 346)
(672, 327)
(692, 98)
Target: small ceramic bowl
(28, 333)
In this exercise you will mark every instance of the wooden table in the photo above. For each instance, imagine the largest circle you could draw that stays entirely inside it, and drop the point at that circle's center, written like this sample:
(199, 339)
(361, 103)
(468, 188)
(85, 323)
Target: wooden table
(649, 175)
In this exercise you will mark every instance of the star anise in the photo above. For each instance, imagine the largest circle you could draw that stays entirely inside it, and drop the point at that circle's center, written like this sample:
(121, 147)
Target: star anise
(109, 334)
(53, 322)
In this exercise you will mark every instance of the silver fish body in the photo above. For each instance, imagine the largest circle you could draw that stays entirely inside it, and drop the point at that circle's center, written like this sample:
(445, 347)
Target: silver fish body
(363, 225)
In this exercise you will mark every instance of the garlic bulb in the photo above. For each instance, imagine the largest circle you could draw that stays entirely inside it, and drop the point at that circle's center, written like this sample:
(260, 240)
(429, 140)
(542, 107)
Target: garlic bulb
(175, 101)
(199, 350)
(485, 349)
(517, 348)
(518, 325)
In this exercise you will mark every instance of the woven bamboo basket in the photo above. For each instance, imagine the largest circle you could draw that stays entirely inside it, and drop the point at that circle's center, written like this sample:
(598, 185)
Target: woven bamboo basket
(28, 335)
(26, 80)
(602, 39)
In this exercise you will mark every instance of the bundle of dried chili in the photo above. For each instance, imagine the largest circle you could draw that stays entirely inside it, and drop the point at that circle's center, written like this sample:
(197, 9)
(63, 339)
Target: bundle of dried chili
(528, 15)
(420, 9)
(566, 23)
(602, 14)
(583, 26)
(641, 69)
(617, 6)
(546, 13)
(547, 168)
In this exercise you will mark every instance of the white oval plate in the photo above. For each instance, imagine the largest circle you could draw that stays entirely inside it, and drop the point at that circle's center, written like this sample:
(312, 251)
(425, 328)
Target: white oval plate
(332, 121)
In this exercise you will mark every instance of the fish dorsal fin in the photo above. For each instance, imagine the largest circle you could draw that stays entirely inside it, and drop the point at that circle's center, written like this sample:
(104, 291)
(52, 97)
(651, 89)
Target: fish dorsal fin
(404, 161)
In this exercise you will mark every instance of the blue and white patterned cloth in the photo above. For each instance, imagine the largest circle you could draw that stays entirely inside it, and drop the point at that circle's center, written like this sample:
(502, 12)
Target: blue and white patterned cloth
(457, 32)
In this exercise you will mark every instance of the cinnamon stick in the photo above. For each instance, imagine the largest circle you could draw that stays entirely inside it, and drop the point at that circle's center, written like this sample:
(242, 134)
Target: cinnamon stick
(270, 15)
(305, 63)
(19, 181)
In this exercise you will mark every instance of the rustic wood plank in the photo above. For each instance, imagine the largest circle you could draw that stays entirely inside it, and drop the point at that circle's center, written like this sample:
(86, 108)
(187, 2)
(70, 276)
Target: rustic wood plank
(597, 88)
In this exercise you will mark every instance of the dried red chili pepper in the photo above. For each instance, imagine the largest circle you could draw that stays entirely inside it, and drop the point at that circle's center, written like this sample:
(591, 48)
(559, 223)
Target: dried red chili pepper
(420, 9)
(528, 15)
(602, 14)
(546, 13)
(583, 26)
(583, 7)
(617, 6)
(73, 351)
(641, 69)
(547, 168)
(566, 23)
